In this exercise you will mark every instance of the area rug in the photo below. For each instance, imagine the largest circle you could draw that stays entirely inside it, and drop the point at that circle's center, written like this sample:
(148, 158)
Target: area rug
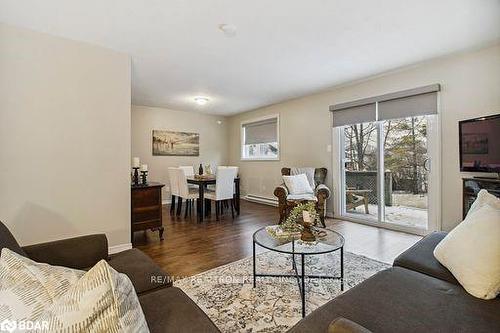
(227, 296)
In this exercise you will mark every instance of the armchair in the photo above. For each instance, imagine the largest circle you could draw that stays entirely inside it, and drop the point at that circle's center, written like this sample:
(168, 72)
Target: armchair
(286, 202)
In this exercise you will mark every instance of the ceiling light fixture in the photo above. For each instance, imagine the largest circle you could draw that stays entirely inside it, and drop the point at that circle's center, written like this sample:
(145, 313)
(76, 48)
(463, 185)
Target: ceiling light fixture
(201, 100)
(228, 29)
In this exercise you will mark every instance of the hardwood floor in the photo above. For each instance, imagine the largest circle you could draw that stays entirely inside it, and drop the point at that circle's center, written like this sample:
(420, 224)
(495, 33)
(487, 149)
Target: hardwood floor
(190, 248)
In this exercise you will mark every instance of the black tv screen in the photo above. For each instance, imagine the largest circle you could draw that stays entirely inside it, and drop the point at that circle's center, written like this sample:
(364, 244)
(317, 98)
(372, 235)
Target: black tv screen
(480, 144)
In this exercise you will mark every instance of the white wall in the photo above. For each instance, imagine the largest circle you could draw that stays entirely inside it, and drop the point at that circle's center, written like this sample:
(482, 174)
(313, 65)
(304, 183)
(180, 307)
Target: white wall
(470, 88)
(213, 140)
(64, 138)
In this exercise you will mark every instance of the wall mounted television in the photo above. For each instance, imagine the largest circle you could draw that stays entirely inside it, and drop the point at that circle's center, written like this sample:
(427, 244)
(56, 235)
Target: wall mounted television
(480, 144)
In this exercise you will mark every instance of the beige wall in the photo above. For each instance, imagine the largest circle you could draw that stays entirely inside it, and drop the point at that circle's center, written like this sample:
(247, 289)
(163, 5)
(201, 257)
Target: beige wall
(64, 138)
(470, 88)
(213, 139)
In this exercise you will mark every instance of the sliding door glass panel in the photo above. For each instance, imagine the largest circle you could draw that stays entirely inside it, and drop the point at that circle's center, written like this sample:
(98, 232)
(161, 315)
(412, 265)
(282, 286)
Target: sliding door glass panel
(360, 167)
(406, 164)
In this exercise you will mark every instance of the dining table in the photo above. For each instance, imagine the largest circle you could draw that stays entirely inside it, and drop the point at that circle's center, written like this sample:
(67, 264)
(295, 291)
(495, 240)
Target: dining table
(203, 182)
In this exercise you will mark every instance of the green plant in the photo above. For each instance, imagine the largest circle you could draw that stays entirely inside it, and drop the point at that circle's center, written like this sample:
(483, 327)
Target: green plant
(294, 220)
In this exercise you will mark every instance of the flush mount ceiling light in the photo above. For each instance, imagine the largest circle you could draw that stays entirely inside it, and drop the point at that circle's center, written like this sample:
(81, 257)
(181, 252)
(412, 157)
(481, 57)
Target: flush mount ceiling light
(228, 29)
(201, 100)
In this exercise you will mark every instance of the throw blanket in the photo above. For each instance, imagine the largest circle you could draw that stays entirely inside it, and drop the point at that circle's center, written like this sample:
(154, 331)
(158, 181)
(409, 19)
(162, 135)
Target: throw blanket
(309, 172)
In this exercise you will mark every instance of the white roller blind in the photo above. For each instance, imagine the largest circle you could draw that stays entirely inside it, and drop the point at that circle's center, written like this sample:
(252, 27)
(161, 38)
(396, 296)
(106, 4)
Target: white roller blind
(354, 115)
(410, 106)
(263, 131)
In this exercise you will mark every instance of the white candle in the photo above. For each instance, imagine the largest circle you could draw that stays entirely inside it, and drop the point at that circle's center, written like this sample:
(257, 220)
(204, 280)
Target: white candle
(306, 216)
(136, 162)
(144, 167)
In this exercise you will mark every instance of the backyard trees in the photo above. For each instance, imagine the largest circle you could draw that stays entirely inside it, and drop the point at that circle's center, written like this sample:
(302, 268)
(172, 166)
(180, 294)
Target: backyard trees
(405, 151)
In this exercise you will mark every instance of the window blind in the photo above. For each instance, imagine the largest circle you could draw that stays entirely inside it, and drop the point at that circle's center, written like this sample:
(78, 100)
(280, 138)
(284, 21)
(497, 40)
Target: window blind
(263, 131)
(348, 115)
(411, 106)
(407, 103)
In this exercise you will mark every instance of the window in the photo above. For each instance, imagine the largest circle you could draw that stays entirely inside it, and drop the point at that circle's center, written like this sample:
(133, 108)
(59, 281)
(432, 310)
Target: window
(260, 139)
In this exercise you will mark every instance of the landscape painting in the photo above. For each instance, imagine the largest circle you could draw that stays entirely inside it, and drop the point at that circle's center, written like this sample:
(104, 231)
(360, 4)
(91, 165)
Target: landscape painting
(170, 143)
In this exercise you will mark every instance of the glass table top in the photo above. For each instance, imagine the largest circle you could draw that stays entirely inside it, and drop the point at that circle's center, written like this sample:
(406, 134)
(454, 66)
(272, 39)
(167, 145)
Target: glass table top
(329, 242)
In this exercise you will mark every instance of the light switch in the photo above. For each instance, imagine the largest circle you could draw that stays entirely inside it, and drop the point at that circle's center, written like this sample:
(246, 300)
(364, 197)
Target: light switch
(329, 148)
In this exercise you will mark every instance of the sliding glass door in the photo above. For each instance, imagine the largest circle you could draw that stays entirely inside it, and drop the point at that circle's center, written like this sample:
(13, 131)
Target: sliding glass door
(386, 172)
(361, 168)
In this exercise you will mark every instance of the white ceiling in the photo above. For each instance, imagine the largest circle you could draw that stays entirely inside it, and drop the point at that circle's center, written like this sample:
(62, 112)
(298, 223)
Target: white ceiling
(282, 48)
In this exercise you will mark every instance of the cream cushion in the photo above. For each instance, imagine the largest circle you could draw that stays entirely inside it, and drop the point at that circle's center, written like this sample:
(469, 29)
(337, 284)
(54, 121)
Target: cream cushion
(471, 252)
(484, 198)
(27, 288)
(298, 184)
(100, 300)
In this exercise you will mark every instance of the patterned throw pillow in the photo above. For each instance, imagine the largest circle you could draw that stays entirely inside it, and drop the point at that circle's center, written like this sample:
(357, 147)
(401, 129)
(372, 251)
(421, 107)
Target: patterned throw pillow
(28, 287)
(100, 300)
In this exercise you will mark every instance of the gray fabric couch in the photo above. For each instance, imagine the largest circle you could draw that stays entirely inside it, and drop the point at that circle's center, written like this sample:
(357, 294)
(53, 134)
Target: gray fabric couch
(417, 294)
(166, 308)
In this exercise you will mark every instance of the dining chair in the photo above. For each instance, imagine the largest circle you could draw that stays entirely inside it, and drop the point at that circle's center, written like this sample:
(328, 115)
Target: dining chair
(188, 170)
(174, 188)
(185, 192)
(237, 170)
(224, 189)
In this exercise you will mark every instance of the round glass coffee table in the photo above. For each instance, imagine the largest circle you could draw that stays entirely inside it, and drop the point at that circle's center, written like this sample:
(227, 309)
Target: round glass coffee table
(331, 242)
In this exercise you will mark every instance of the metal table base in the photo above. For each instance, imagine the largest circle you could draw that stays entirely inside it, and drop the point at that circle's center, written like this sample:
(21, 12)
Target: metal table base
(301, 277)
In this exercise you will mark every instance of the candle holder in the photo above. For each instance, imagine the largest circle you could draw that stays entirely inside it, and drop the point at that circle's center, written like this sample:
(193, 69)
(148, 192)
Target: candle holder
(136, 176)
(144, 175)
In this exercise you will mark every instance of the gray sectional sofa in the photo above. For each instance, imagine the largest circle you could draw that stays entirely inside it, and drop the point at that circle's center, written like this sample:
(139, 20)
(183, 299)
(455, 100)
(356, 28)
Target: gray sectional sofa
(417, 294)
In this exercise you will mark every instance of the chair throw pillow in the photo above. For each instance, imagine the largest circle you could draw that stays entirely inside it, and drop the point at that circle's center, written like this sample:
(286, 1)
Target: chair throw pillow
(297, 184)
(471, 252)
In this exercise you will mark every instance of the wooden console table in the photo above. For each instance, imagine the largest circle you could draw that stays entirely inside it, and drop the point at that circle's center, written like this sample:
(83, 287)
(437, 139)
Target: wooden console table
(471, 187)
(146, 208)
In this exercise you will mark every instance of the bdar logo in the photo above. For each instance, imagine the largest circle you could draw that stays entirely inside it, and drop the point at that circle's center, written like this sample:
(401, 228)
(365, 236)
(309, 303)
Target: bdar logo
(8, 326)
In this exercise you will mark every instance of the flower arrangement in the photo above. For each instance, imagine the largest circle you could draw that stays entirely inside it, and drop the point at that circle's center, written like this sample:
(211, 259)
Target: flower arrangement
(293, 223)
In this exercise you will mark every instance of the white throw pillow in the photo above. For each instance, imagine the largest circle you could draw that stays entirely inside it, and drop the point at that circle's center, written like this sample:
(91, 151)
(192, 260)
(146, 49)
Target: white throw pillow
(471, 252)
(484, 198)
(298, 184)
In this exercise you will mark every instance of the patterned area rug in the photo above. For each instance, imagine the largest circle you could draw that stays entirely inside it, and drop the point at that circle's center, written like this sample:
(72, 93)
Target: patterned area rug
(227, 296)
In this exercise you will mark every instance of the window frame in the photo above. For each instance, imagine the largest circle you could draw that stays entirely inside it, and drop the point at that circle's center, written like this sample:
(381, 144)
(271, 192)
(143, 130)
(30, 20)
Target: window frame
(434, 193)
(242, 138)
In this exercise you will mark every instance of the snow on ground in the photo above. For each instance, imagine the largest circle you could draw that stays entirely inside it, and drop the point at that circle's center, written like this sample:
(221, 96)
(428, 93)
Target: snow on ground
(402, 215)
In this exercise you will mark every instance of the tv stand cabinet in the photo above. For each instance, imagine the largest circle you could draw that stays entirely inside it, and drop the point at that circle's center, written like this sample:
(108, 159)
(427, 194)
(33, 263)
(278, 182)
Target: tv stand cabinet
(472, 186)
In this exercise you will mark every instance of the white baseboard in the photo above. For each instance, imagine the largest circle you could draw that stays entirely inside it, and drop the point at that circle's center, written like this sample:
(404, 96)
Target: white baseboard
(119, 248)
(261, 200)
(166, 202)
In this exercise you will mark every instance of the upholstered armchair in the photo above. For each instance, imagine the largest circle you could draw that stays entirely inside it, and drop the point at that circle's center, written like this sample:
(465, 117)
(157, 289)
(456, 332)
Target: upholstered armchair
(320, 196)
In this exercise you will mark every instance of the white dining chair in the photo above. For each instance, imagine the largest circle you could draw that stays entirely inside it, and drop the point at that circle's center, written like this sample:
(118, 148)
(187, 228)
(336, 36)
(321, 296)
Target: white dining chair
(188, 170)
(186, 193)
(224, 189)
(174, 187)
